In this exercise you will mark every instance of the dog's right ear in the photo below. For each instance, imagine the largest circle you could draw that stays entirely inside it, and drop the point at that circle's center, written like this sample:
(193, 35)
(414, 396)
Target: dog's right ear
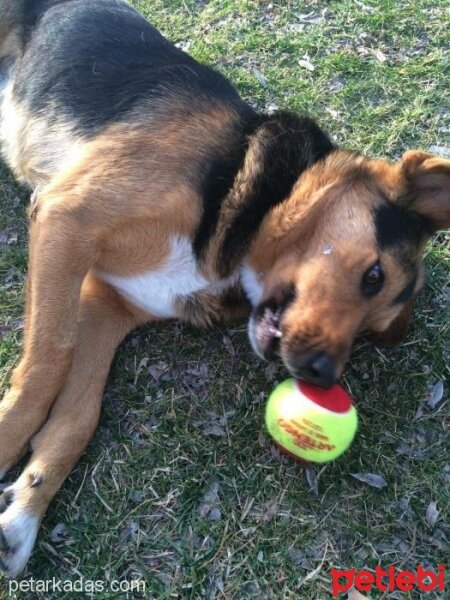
(428, 181)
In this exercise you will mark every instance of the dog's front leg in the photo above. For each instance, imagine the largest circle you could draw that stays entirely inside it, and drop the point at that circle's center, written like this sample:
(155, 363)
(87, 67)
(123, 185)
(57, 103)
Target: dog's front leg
(103, 322)
(60, 255)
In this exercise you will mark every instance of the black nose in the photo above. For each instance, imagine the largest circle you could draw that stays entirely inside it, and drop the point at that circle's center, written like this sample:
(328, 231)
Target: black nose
(318, 368)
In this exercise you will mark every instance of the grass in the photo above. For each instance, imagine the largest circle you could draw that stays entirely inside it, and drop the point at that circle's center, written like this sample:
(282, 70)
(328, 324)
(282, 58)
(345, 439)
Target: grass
(181, 487)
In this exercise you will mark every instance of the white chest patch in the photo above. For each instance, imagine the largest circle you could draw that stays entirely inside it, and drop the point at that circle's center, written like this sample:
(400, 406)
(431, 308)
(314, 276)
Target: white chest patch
(155, 291)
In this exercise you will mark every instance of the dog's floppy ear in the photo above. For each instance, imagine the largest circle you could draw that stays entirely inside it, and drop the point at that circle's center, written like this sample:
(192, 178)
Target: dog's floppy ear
(428, 180)
(394, 334)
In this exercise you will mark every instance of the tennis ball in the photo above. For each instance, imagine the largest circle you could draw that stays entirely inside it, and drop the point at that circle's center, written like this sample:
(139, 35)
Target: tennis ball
(309, 422)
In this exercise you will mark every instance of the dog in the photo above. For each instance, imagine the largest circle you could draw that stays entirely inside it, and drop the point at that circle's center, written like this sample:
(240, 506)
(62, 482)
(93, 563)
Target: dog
(160, 194)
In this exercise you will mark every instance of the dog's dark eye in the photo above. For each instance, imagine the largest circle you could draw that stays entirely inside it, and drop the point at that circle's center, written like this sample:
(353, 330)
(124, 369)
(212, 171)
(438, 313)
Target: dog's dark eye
(372, 280)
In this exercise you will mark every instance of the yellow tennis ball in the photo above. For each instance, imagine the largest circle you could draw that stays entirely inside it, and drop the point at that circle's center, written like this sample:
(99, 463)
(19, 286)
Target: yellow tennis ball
(309, 422)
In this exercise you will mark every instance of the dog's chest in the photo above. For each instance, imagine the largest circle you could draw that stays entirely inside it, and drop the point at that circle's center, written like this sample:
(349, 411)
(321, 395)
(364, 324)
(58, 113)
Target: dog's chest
(157, 291)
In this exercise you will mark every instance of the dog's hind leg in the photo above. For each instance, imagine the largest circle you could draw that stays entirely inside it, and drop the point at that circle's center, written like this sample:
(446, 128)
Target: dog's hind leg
(103, 322)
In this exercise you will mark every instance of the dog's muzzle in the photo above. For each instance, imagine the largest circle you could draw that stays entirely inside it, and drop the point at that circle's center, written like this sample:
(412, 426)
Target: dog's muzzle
(265, 333)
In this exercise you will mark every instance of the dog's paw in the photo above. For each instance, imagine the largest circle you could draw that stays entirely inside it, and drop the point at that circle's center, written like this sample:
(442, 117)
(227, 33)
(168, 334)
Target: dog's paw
(18, 531)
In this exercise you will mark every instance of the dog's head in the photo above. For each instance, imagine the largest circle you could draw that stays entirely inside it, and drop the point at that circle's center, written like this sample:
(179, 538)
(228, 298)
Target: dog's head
(341, 257)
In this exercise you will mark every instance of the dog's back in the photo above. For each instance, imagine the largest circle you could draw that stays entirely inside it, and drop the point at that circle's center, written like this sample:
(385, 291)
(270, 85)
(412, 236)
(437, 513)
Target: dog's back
(98, 72)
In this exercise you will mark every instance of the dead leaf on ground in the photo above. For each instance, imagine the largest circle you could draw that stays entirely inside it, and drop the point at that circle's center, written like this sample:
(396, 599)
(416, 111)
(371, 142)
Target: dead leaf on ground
(270, 510)
(336, 85)
(8, 239)
(214, 430)
(300, 559)
(372, 479)
(432, 514)
(260, 77)
(215, 514)
(306, 64)
(437, 394)
(336, 114)
(380, 56)
(311, 478)
(355, 595)
(129, 532)
(271, 370)
(156, 369)
(59, 534)
(442, 150)
(229, 346)
(208, 505)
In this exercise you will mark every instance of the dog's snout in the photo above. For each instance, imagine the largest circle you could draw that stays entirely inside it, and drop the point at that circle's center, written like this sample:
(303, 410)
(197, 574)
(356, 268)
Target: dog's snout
(318, 368)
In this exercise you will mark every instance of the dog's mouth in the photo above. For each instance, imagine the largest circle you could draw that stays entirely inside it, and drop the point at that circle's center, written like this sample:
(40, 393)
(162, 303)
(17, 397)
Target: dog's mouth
(265, 332)
(265, 325)
(266, 335)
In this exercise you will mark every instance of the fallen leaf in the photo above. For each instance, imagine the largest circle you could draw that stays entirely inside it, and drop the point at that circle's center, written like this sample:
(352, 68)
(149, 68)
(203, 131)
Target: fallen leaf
(209, 501)
(355, 595)
(300, 559)
(306, 64)
(59, 534)
(270, 510)
(442, 150)
(271, 370)
(311, 478)
(215, 514)
(129, 532)
(432, 514)
(156, 369)
(336, 85)
(419, 412)
(334, 113)
(8, 239)
(440, 540)
(371, 479)
(380, 56)
(311, 18)
(260, 77)
(295, 27)
(229, 346)
(436, 395)
(212, 493)
(365, 7)
(142, 363)
(215, 430)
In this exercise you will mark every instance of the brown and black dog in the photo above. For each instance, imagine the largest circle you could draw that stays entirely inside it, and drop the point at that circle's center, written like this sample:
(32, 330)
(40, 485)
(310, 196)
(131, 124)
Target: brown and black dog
(159, 193)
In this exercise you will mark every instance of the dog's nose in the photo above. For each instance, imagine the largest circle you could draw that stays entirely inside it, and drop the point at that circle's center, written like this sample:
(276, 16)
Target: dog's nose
(318, 368)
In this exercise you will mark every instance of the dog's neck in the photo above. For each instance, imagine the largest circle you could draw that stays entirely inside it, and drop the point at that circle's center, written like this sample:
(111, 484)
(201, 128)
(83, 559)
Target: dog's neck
(280, 148)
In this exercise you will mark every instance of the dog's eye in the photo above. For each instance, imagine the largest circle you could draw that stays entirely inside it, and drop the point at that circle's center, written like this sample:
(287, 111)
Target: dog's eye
(372, 280)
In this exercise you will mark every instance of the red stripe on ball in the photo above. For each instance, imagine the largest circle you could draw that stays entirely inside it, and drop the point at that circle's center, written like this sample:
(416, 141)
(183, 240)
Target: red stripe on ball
(335, 399)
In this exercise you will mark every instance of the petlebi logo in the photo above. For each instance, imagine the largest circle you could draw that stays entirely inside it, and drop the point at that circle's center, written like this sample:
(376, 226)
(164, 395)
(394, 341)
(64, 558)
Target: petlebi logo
(387, 579)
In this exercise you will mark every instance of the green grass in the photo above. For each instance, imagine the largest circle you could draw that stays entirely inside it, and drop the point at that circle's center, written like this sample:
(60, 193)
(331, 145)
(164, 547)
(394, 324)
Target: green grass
(135, 505)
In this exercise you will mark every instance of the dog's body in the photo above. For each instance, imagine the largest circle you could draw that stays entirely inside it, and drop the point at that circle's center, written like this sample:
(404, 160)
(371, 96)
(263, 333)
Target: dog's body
(159, 193)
